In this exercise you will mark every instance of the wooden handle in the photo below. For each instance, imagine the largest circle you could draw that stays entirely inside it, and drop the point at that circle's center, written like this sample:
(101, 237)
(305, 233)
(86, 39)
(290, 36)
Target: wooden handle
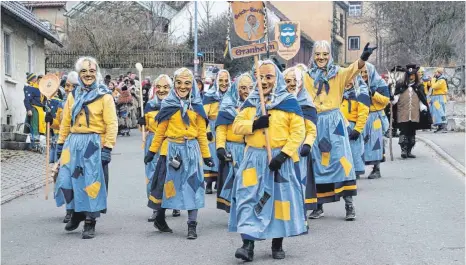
(264, 111)
(47, 159)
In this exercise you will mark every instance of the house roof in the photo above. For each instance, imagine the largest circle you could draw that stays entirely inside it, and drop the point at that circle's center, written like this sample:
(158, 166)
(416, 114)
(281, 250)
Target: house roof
(43, 3)
(26, 17)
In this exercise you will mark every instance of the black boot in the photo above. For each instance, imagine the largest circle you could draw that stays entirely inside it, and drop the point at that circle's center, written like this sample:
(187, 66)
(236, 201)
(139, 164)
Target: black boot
(316, 214)
(246, 252)
(412, 142)
(403, 142)
(208, 189)
(350, 212)
(176, 213)
(76, 219)
(89, 229)
(375, 174)
(161, 224)
(277, 248)
(152, 217)
(68, 216)
(192, 230)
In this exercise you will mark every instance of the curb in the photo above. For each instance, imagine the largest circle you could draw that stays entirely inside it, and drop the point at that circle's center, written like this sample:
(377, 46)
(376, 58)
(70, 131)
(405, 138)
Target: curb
(457, 165)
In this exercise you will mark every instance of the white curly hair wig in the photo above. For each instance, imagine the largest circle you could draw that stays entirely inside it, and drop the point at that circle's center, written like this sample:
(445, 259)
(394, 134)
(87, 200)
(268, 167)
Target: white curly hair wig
(79, 66)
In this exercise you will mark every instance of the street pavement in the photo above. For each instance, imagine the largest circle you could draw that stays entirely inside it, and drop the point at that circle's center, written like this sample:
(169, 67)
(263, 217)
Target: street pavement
(452, 142)
(414, 214)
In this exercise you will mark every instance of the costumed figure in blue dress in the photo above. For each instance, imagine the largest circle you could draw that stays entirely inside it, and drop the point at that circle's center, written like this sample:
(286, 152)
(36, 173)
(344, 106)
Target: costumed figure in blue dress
(332, 159)
(268, 200)
(212, 99)
(178, 183)
(34, 103)
(230, 146)
(377, 123)
(88, 134)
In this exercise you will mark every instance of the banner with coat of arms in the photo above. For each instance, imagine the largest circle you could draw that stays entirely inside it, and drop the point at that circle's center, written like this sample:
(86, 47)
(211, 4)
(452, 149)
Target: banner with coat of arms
(248, 18)
(288, 36)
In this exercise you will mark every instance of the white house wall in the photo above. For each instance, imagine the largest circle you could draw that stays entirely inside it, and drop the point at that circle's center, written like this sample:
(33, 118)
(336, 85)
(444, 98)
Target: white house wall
(12, 86)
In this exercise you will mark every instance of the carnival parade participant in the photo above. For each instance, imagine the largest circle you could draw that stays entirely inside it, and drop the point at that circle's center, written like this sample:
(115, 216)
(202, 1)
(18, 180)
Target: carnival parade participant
(162, 85)
(438, 100)
(179, 184)
(424, 80)
(332, 160)
(411, 101)
(87, 135)
(294, 85)
(267, 200)
(34, 104)
(212, 99)
(377, 123)
(230, 146)
(355, 108)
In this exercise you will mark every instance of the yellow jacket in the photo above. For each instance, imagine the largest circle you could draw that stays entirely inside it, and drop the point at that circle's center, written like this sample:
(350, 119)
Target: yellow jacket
(358, 114)
(325, 102)
(211, 111)
(379, 102)
(286, 131)
(439, 87)
(311, 132)
(225, 133)
(175, 130)
(151, 126)
(426, 87)
(102, 120)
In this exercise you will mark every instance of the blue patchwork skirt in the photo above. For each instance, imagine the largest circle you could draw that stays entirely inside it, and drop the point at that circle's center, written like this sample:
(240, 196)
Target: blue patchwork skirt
(373, 139)
(438, 109)
(211, 173)
(332, 159)
(226, 175)
(81, 177)
(183, 188)
(266, 204)
(53, 149)
(305, 174)
(357, 150)
(150, 167)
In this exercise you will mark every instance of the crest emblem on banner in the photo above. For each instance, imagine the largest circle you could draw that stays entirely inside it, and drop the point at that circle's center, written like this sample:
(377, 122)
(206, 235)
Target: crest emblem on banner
(288, 34)
(248, 19)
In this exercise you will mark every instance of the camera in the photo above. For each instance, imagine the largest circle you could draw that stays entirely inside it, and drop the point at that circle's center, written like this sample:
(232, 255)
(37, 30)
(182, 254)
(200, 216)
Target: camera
(228, 157)
(175, 162)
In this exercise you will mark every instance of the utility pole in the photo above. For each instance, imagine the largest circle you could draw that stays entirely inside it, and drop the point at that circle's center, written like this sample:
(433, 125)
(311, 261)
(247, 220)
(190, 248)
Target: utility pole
(196, 60)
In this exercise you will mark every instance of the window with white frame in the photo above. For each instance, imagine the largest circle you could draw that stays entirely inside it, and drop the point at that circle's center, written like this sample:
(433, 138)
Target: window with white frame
(355, 9)
(353, 43)
(7, 52)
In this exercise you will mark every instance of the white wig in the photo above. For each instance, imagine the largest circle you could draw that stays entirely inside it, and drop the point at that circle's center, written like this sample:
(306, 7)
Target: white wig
(72, 77)
(321, 44)
(299, 77)
(79, 66)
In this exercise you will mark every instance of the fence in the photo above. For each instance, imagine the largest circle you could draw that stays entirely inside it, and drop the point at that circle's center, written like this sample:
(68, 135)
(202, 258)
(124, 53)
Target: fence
(149, 59)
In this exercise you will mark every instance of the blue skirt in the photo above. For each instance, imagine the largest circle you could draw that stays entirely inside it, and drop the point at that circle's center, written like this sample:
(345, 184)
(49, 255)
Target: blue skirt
(373, 139)
(357, 151)
(305, 174)
(150, 167)
(226, 176)
(81, 177)
(53, 149)
(266, 204)
(438, 109)
(182, 189)
(211, 173)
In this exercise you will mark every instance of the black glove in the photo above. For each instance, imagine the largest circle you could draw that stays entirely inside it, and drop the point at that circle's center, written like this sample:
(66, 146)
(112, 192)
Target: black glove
(48, 117)
(367, 52)
(59, 150)
(149, 157)
(106, 155)
(221, 154)
(305, 150)
(209, 162)
(142, 121)
(354, 135)
(277, 161)
(261, 122)
(210, 136)
(372, 92)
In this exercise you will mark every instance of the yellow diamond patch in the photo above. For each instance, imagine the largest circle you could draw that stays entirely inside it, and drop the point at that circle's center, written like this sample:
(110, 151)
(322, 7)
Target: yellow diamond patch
(377, 124)
(437, 105)
(93, 189)
(169, 189)
(346, 165)
(325, 159)
(249, 177)
(65, 157)
(147, 180)
(282, 210)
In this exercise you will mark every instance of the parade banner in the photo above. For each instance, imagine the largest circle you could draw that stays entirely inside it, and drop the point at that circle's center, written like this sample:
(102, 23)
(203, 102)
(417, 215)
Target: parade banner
(288, 34)
(248, 18)
(252, 49)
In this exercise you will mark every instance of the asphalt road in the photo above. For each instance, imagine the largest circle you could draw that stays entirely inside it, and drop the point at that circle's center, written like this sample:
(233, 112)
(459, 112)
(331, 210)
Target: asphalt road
(414, 214)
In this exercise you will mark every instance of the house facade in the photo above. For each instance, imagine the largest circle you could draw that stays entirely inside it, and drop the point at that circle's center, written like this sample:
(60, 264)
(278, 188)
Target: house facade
(51, 13)
(22, 46)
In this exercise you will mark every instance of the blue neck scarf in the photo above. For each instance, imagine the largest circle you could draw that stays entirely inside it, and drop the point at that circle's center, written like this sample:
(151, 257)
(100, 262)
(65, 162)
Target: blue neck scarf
(173, 103)
(375, 81)
(84, 96)
(278, 99)
(321, 81)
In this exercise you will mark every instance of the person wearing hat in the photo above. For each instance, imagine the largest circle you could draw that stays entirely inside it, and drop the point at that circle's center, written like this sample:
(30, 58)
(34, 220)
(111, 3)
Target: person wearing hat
(34, 103)
(411, 101)
(438, 100)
